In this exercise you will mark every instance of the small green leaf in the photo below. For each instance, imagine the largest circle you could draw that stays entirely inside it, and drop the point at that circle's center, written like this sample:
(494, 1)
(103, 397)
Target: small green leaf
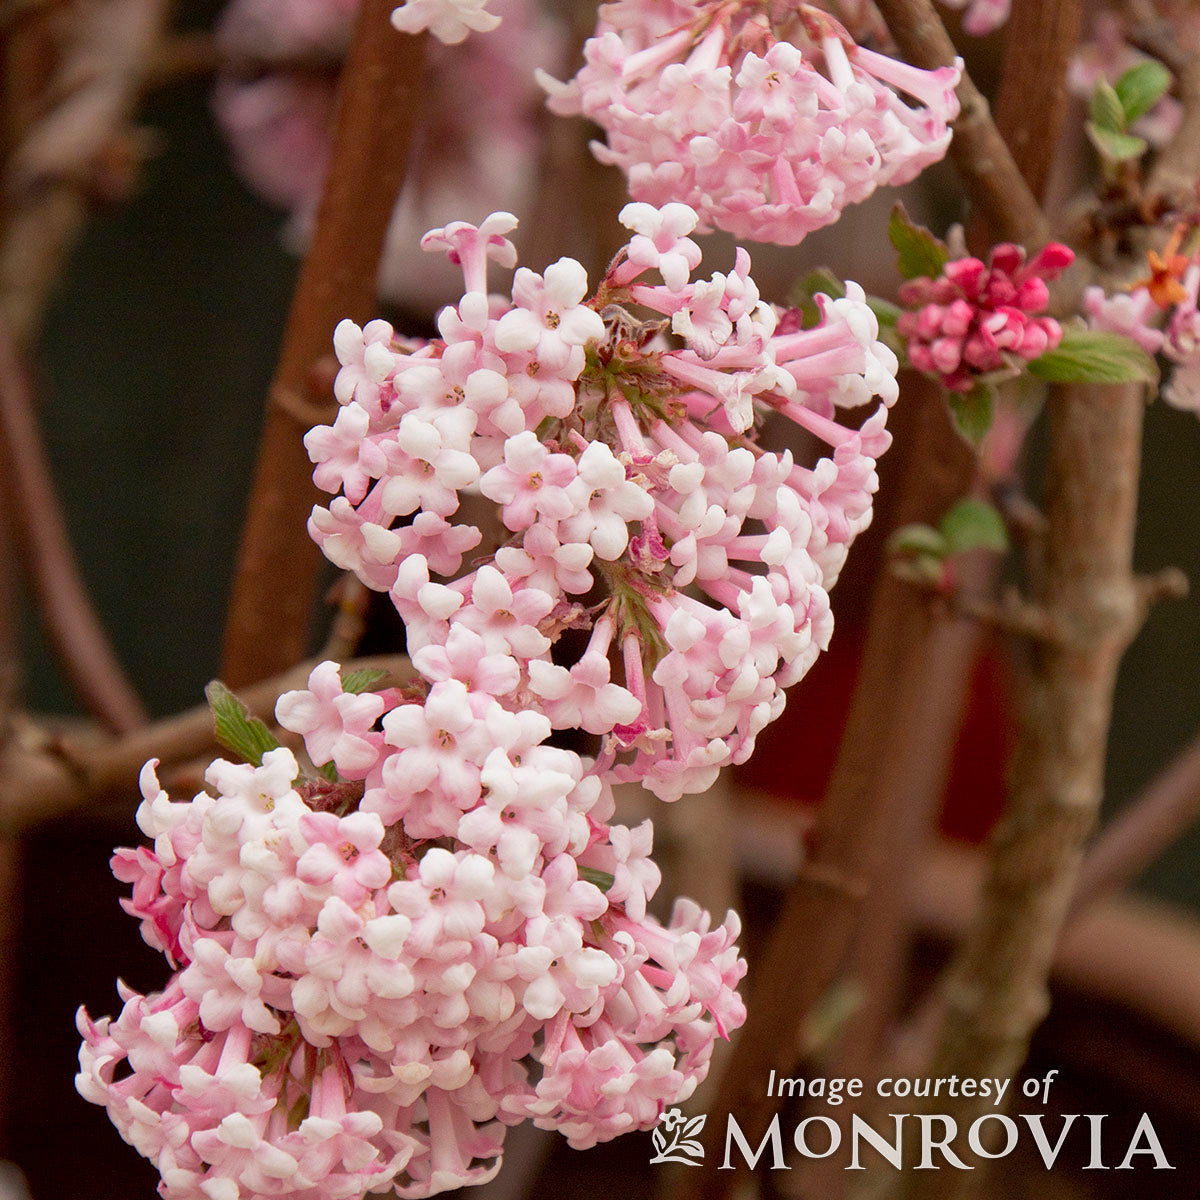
(829, 1016)
(973, 412)
(1105, 108)
(974, 524)
(362, 680)
(923, 569)
(329, 771)
(602, 879)
(1092, 356)
(920, 252)
(1140, 88)
(820, 280)
(1116, 147)
(237, 730)
(918, 539)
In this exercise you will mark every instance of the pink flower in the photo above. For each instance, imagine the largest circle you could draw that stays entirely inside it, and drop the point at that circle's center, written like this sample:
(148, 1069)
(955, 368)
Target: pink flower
(711, 106)
(343, 855)
(531, 482)
(336, 726)
(1129, 313)
(548, 318)
(608, 501)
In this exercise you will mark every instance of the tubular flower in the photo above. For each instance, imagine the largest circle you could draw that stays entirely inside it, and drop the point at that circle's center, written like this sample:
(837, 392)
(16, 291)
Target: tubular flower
(977, 319)
(768, 129)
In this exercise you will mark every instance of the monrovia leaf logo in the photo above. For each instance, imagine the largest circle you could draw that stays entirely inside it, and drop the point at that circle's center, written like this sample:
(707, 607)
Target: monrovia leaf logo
(682, 1146)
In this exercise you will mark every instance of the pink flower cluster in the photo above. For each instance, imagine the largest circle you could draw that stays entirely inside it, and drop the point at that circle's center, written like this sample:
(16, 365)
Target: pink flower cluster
(712, 104)
(634, 499)
(440, 933)
(977, 320)
(359, 1006)
(1174, 331)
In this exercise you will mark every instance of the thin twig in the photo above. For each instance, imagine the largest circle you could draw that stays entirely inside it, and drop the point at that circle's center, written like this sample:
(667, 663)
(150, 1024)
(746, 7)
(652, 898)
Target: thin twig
(48, 775)
(66, 611)
(277, 567)
(352, 599)
(66, 126)
(1145, 827)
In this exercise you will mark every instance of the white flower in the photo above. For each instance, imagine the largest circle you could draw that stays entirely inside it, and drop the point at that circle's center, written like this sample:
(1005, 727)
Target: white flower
(448, 20)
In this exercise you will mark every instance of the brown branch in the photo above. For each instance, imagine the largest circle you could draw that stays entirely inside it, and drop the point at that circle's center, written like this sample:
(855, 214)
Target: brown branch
(993, 179)
(886, 760)
(996, 987)
(47, 775)
(1033, 97)
(277, 567)
(200, 55)
(66, 611)
(911, 794)
(352, 599)
(1176, 173)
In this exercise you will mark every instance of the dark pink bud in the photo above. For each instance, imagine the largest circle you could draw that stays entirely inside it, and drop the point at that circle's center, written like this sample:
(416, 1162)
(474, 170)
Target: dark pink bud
(1001, 291)
(947, 354)
(929, 320)
(1033, 295)
(1052, 260)
(958, 318)
(1006, 258)
(792, 321)
(1033, 341)
(965, 273)
(1053, 331)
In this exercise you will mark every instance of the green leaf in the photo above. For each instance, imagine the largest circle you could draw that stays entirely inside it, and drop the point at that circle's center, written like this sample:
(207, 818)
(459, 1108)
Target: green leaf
(973, 412)
(602, 879)
(1092, 356)
(1140, 88)
(920, 252)
(237, 730)
(1116, 147)
(362, 680)
(974, 524)
(918, 539)
(1105, 108)
(329, 771)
